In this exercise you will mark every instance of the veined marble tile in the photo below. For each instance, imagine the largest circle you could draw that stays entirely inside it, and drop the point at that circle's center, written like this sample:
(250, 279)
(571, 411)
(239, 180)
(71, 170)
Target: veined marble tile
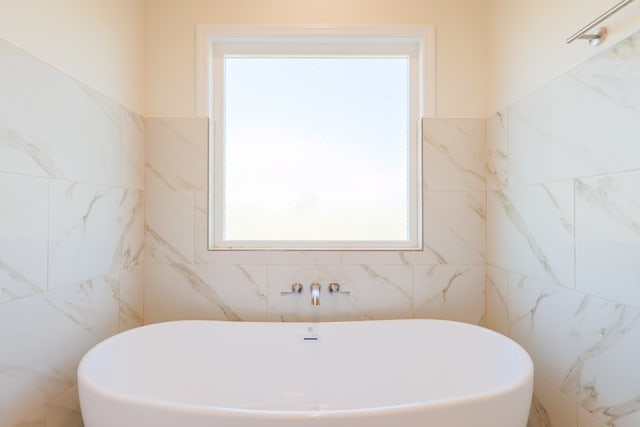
(582, 123)
(131, 149)
(594, 345)
(608, 236)
(261, 257)
(380, 257)
(176, 154)
(497, 300)
(453, 155)
(86, 227)
(64, 411)
(497, 137)
(132, 220)
(613, 71)
(453, 292)
(169, 227)
(542, 318)
(131, 298)
(43, 339)
(376, 292)
(189, 291)
(78, 142)
(23, 236)
(531, 231)
(551, 408)
(454, 228)
(37, 419)
(604, 378)
(586, 419)
(264, 257)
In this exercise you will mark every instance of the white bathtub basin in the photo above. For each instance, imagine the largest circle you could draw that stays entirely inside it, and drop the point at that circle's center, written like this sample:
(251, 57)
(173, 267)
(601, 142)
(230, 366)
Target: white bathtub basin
(372, 373)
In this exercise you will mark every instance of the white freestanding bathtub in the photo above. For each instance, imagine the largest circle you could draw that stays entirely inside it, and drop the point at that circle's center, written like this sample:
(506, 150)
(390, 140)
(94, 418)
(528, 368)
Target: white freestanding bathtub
(392, 373)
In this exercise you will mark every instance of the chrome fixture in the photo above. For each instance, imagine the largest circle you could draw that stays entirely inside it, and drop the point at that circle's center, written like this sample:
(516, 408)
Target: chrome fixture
(594, 38)
(315, 294)
(600, 34)
(310, 336)
(334, 288)
(296, 288)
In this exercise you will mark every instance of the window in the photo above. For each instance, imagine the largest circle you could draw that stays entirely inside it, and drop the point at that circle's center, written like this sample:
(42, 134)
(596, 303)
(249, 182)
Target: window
(314, 139)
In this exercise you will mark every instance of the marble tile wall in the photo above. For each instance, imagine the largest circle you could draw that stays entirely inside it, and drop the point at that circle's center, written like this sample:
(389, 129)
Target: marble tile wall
(184, 280)
(535, 234)
(71, 234)
(563, 247)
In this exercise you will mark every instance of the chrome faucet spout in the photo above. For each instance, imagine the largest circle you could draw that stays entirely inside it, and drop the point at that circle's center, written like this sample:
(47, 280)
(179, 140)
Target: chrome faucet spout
(315, 294)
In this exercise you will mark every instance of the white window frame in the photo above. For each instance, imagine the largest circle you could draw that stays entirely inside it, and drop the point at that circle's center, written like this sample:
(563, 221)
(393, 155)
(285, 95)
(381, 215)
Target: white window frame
(212, 40)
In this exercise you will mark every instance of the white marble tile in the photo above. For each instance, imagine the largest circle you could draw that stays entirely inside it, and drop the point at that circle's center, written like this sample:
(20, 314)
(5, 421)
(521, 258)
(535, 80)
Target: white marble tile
(550, 408)
(430, 255)
(608, 236)
(586, 419)
(131, 297)
(376, 292)
(77, 142)
(132, 236)
(64, 411)
(86, 226)
(604, 377)
(453, 154)
(497, 137)
(531, 231)
(55, 330)
(585, 346)
(453, 292)
(497, 300)
(131, 149)
(613, 72)
(92, 306)
(580, 124)
(454, 228)
(169, 227)
(23, 235)
(37, 419)
(176, 154)
(542, 318)
(189, 291)
(266, 257)
(381, 257)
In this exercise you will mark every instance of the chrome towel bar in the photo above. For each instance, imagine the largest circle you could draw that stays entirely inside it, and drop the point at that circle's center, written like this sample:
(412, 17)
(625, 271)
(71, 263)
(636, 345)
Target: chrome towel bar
(597, 38)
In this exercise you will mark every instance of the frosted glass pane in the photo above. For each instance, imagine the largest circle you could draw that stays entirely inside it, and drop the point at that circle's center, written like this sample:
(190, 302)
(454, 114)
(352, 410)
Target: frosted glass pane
(316, 148)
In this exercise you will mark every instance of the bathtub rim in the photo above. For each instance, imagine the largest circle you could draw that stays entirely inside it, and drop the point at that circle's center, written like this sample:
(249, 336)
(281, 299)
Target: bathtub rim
(525, 378)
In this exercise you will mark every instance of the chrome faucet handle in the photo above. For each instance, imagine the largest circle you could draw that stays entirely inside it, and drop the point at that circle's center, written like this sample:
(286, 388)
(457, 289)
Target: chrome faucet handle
(315, 294)
(296, 288)
(334, 288)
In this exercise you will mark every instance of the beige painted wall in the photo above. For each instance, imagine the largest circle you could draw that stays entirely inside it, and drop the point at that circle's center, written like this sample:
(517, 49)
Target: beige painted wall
(460, 28)
(490, 52)
(526, 42)
(99, 42)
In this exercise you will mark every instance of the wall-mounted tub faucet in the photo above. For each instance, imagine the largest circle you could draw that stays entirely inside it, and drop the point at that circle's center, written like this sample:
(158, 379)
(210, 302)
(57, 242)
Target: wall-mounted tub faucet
(296, 288)
(315, 294)
(334, 288)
